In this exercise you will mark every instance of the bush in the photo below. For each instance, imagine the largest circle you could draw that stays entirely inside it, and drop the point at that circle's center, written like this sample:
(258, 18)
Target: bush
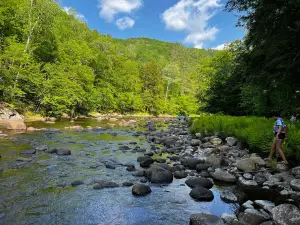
(256, 132)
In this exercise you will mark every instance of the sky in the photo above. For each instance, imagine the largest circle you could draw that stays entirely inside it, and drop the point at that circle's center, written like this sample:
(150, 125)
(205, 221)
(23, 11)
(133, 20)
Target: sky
(194, 23)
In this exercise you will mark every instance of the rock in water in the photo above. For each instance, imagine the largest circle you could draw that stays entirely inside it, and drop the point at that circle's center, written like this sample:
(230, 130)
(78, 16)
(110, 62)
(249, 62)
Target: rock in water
(205, 219)
(141, 190)
(204, 166)
(191, 163)
(231, 141)
(286, 214)
(296, 172)
(127, 184)
(199, 181)
(224, 176)
(28, 152)
(77, 183)
(63, 151)
(147, 162)
(101, 184)
(157, 174)
(201, 194)
(228, 196)
(266, 205)
(295, 184)
(13, 124)
(180, 174)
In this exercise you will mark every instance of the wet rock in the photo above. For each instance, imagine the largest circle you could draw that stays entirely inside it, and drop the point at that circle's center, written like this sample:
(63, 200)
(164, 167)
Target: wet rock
(178, 168)
(264, 204)
(296, 172)
(216, 141)
(247, 183)
(109, 166)
(139, 173)
(77, 183)
(141, 150)
(228, 196)
(199, 181)
(268, 223)
(141, 190)
(149, 154)
(224, 177)
(248, 205)
(203, 166)
(201, 194)
(143, 158)
(286, 214)
(195, 142)
(41, 148)
(180, 174)
(28, 152)
(191, 162)
(174, 158)
(247, 176)
(124, 147)
(231, 141)
(228, 218)
(157, 174)
(198, 135)
(246, 165)
(204, 174)
(295, 184)
(205, 219)
(253, 217)
(127, 184)
(133, 143)
(63, 151)
(147, 162)
(130, 168)
(101, 184)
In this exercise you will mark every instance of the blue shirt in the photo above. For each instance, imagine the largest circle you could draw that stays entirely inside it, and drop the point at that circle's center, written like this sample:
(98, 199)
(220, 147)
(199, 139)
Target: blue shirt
(279, 122)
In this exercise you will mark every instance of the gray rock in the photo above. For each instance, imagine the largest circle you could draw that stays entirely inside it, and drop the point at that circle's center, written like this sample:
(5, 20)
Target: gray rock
(198, 135)
(231, 141)
(201, 194)
(169, 141)
(139, 173)
(260, 178)
(191, 163)
(199, 181)
(110, 166)
(248, 205)
(158, 174)
(253, 217)
(228, 196)
(246, 165)
(141, 190)
(295, 184)
(130, 167)
(174, 158)
(143, 180)
(41, 148)
(228, 218)
(268, 223)
(203, 166)
(247, 183)
(296, 171)
(101, 184)
(29, 152)
(205, 219)
(147, 162)
(178, 168)
(127, 184)
(195, 142)
(286, 214)
(264, 204)
(216, 141)
(77, 183)
(224, 177)
(180, 174)
(63, 151)
(281, 167)
(143, 158)
(247, 176)
(214, 160)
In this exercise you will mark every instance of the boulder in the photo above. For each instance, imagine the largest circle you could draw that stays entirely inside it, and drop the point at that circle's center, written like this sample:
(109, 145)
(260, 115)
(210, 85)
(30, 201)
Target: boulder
(286, 214)
(195, 142)
(203, 166)
(231, 141)
(13, 124)
(191, 162)
(63, 151)
(147, 162)
(258, 161)
(248, 205)
(216, 141)
(228, 196)
(143, 158)
(264, 204)
(6, 113)
(141, 190)
(3, 135)
(101, 184)
(228, 218)
(247, 176)
(199, 181)
(110, 166)
(180, 174)
(198, 135)
(247, 183)
(260, 178)
(169, 141)
(282, 167)
(296, 172)
(77, 183)
(201, 194)
(178, 168)
(224, 177)
(295, 184)
(41, 148)
(246, 165)
(214, 160)
(157, 174)
(253, 217)
(139, 173)
(205, 219)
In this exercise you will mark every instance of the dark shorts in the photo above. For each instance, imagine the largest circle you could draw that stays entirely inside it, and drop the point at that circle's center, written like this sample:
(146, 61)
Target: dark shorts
(281, 136)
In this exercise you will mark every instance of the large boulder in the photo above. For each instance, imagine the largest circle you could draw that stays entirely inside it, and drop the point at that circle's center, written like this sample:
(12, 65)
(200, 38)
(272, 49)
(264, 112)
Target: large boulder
(286, 214)
(231, 141)
(228, 196)
(224, 177)
(6, 113)
(191, 163)
(141, 190)
(157, 174)
(253, 217)
(246, 165)
(205, 219)
(199, 181)
(201, 194)
(13, 124)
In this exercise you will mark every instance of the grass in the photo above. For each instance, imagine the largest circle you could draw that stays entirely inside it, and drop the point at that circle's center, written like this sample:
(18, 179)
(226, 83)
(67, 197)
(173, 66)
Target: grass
(255, 132)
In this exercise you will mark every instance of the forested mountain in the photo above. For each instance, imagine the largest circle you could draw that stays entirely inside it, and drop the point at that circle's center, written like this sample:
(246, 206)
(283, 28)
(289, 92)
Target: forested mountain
(52, 63)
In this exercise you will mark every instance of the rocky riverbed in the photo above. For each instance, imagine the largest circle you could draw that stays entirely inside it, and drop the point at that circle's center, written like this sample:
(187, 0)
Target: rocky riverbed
(154, 173)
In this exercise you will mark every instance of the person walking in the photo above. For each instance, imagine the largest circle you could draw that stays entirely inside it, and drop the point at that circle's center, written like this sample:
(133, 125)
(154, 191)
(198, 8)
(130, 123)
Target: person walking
(280, 133)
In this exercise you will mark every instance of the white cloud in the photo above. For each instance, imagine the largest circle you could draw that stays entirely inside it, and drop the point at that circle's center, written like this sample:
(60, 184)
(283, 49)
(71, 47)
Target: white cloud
(109, 8)
(125, 23)
(76, 14)
(220, 47)
(192, 16)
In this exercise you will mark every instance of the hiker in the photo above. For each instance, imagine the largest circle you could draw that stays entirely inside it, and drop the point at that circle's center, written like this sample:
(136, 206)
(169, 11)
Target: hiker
(280, 133)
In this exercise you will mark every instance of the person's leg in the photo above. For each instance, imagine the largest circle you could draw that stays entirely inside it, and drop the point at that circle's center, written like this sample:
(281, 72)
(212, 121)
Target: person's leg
(279, 149)
(272, 150)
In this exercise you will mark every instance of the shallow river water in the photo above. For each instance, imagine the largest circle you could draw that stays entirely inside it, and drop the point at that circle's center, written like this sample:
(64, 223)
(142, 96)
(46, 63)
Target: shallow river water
(31, 193)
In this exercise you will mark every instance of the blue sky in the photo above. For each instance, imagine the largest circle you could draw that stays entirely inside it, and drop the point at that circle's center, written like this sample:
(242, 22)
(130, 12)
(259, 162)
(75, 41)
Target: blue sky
(194, 23)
